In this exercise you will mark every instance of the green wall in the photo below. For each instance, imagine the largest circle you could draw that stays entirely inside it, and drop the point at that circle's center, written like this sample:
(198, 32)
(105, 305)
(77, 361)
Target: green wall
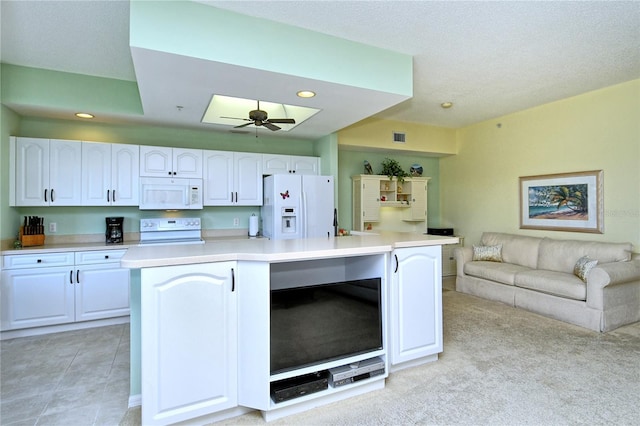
(599, 130)
(9, 124)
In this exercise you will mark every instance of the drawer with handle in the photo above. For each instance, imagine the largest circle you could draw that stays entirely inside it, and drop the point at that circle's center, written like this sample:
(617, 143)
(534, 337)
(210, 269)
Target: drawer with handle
(99, 256)
(42, 260)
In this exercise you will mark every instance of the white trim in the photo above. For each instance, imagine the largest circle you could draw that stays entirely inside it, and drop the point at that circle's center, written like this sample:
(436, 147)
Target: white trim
(135, 400)
(37, 331)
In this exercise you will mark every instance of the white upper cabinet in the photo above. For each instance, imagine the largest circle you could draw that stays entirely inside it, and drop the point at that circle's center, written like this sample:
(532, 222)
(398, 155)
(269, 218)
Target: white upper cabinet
(232, 178)
(125, 172)
(417, 199)
(158, 161)
(274, 164)
(47, 172)
(366, 200)
(110, 174)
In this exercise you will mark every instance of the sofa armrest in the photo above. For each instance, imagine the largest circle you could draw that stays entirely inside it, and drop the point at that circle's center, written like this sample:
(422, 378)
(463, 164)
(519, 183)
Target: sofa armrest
(463, 255)
(608, 275)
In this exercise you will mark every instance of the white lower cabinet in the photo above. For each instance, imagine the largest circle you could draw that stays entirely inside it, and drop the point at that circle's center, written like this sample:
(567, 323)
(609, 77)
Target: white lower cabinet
(60, 288)
(415, 304)
(101, 291)
(189, 341)
(37, 297)
(206, 331)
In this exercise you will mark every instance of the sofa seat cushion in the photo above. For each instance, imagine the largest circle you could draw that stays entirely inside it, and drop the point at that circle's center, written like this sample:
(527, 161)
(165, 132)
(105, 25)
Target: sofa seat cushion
(504, 273)
(551, 282)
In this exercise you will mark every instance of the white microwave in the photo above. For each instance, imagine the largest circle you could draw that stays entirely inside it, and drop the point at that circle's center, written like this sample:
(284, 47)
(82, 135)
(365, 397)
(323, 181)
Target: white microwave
(170, 194)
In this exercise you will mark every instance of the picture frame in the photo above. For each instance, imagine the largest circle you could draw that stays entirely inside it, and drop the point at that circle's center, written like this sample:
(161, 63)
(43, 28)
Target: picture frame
(563, 202)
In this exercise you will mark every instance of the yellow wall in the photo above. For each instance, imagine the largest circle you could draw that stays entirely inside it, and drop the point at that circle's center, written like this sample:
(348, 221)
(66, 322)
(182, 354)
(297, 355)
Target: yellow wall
(377, 134)
(599, 130)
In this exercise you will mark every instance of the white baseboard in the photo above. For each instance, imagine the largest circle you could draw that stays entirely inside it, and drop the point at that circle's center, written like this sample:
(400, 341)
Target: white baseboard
(38, 331)
(135, 400)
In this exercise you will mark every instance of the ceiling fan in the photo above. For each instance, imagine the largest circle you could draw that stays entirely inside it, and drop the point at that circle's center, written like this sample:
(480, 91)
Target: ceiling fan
(258, 118)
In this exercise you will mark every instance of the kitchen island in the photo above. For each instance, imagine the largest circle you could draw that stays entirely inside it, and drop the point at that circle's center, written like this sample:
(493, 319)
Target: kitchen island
(201, 327)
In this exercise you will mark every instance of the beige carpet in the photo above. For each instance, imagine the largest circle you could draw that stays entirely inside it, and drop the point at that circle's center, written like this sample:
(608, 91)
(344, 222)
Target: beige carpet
(500, 366)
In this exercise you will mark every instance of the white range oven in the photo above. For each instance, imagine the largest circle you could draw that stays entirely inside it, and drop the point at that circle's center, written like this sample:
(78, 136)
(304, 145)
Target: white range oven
(170, 230)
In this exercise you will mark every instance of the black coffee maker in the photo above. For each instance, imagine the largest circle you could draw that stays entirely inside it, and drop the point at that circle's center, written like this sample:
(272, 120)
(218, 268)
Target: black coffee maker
(114, 233)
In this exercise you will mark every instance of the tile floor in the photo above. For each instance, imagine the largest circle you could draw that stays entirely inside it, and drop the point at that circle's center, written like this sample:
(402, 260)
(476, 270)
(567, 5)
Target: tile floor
(71, 378)
(74, 378)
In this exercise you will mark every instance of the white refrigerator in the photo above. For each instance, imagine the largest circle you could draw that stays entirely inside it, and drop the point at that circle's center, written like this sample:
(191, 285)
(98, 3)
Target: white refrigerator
(298, 206)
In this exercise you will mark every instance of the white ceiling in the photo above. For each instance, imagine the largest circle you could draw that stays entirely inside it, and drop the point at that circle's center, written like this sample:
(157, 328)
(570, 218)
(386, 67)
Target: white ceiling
(488, 58)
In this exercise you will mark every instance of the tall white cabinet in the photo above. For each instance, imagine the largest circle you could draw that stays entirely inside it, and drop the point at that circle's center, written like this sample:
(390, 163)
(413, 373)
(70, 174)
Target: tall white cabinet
(47, 172)
(415, 301)
(110, 173)
(189, 341)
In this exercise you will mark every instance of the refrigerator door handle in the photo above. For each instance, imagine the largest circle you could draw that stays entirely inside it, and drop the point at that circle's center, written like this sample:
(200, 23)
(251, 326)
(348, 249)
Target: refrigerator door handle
(303, 214)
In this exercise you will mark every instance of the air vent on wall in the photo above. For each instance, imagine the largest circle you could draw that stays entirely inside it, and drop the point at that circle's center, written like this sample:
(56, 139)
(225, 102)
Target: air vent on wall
(399, 137)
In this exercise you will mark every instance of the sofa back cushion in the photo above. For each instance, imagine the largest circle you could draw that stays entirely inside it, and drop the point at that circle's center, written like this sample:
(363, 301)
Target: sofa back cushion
(516, 249)
(562, 255)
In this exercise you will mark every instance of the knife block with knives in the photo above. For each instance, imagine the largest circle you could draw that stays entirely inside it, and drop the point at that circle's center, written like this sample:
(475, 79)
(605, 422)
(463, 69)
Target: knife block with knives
(32, 232)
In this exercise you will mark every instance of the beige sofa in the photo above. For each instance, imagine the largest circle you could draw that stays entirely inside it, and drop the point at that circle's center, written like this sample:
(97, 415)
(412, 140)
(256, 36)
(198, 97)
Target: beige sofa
(537, 274)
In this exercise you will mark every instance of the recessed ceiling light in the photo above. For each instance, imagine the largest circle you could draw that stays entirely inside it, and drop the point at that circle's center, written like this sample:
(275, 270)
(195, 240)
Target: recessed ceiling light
(446, 105)
(306, 94)
(84, 115)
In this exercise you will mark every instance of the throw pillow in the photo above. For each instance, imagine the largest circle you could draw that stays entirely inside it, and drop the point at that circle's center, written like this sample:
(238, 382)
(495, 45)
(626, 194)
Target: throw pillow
(488, 253)
(583, 266)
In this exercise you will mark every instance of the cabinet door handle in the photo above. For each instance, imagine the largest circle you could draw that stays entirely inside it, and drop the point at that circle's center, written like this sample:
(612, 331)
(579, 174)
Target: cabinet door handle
(113, 195)
(53, 198)
(45, 195)
(397, 263)
(78, 276)
(106, 256)
(232, 197)
(108, 191)
(71, 276)
(233, 280)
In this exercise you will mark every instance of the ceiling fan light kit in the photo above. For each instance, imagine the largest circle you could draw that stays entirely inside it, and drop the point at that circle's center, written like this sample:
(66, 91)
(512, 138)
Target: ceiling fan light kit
(258, 118)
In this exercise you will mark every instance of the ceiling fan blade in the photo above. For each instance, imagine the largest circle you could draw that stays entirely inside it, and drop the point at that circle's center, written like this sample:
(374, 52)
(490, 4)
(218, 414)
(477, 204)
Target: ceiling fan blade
(236, 118)
(243, 125)
(270, 126)
(282, 120)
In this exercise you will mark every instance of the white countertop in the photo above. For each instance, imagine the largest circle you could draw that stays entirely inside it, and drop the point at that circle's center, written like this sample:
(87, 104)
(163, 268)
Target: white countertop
(265, 250)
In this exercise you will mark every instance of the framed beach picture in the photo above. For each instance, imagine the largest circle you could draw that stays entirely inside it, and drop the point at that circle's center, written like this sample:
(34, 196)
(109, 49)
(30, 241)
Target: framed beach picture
(562, 202)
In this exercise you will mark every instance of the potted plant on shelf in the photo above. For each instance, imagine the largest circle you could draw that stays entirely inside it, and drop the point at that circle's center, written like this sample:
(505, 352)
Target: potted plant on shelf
(391, 168)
